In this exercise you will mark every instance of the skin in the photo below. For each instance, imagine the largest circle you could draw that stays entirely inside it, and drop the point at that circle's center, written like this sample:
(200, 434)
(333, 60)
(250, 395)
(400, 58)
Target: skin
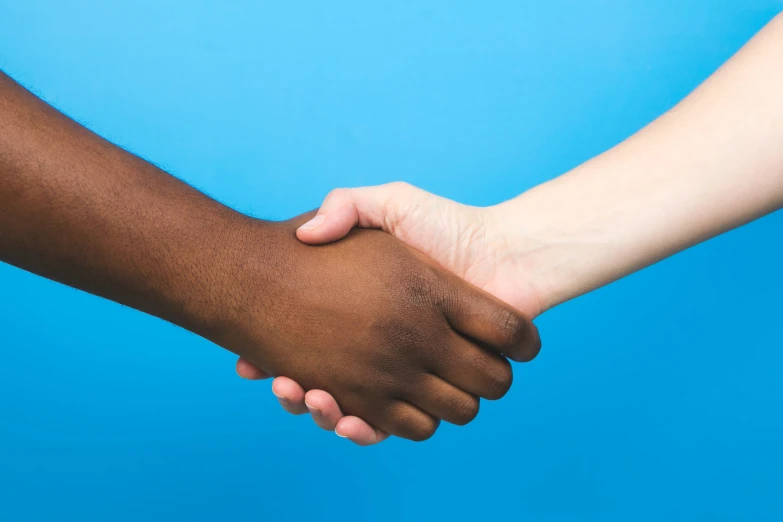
(379, 326)
(712, 163)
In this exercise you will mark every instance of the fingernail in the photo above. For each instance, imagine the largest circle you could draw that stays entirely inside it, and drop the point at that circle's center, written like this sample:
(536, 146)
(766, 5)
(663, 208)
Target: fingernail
(313, 223)
(339, 434)
(315, 412)
(280, 398)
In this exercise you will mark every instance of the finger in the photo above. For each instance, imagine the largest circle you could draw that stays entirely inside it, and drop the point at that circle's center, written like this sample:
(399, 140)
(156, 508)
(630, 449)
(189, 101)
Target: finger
(359, 432)
(290, 395)
(445, 401)
(496, 325)
(473, 369)
(323, 408)
(250, 372)
(368, 207)
(405, 420)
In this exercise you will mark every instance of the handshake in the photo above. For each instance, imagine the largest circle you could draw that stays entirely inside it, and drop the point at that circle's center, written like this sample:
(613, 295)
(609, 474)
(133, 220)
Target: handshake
(390, 309)
(400, 336)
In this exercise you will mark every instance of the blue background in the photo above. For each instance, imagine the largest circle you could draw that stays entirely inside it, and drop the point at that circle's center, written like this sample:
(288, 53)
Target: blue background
(656, 398)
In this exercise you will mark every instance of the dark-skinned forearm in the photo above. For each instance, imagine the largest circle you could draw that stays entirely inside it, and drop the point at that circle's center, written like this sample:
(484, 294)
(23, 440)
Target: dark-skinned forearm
(79, 210)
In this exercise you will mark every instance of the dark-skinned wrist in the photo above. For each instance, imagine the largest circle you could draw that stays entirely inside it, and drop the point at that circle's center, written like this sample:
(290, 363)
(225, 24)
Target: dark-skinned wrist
(235, 276)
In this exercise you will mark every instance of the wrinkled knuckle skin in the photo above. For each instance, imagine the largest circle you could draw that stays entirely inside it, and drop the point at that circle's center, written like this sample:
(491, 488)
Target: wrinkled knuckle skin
(512, 328)
(403, 339)
(449, 300)
(500, 377)
(466, 411)
(406, 346)
(423, 430)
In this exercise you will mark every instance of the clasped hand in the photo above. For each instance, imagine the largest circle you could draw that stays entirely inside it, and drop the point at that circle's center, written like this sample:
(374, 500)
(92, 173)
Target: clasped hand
(402, 346)
(464, 240)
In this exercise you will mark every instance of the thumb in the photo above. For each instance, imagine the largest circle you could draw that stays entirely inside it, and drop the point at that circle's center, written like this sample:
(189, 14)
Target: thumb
(381, 206)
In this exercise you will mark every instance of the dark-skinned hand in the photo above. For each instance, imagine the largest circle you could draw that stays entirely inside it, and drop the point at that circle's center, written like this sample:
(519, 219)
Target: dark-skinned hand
(395, 339)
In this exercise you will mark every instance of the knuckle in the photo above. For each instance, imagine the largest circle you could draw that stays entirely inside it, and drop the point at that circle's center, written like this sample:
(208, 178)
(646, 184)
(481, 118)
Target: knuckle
(337, 195)
(401, 337)
(466, 409)
(500, 376)
(418, 287)
(511, 326)
(448, 299)
(422, 288)
(404, 348)
(399, 186)
(423, 429)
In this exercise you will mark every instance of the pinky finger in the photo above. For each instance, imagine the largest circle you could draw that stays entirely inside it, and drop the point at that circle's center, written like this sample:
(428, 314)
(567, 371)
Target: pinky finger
(359, 432)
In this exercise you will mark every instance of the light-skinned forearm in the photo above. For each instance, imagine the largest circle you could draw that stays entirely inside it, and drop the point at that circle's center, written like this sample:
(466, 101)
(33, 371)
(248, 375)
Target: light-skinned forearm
(712, 163)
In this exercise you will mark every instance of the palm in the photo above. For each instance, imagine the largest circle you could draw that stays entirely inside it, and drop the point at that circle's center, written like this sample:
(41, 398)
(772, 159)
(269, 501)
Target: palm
(466, 241)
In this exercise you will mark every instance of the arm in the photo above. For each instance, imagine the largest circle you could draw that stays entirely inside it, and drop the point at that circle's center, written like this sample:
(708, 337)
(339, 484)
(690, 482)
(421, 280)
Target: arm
(712, 163)
(79, 210)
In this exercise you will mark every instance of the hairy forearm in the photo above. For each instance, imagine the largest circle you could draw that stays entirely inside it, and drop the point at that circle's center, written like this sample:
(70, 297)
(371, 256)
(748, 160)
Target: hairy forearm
(712, 163)
(77, 209)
